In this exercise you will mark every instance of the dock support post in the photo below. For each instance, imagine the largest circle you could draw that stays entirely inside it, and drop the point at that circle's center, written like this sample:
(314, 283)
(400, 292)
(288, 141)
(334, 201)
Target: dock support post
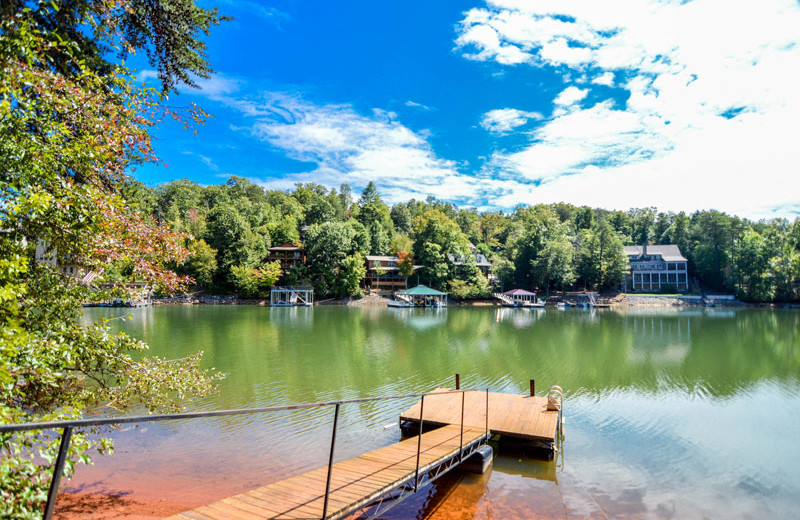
(458, 381)
(533, 387)
(419, 441)
(330, 463)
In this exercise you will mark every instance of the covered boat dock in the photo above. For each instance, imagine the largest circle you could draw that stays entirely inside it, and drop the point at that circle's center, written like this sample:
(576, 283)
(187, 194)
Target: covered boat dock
(420, 296)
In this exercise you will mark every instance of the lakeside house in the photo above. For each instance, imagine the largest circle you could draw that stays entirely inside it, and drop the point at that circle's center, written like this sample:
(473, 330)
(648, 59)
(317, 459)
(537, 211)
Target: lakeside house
(288, 255)
(655, 267)
(480, 259)
(383, 274)
(46, 255)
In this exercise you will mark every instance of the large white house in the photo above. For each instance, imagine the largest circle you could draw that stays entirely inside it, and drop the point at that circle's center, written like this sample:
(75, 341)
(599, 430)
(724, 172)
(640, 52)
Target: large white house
(656, 267)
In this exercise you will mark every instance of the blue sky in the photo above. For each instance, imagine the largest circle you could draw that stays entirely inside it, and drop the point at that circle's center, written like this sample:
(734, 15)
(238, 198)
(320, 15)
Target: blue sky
(681, 105)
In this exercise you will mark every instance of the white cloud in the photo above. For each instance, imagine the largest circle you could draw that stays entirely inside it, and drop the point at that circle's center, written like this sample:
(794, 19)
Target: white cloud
(348, 146)
(217, 85)
(570, 96)
(502, 120)
(711, 113)
(414, 104)
(147, 74)
(606, 78)
(204, 159)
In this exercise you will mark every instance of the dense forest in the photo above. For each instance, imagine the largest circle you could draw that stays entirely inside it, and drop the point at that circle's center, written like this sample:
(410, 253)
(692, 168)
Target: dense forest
(544, 247)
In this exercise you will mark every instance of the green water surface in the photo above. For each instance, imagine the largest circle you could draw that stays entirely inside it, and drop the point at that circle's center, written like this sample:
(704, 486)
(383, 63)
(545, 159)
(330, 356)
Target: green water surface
(670, 414)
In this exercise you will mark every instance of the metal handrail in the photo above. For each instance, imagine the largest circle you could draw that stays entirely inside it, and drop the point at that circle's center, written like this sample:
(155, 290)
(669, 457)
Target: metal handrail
(69, 425)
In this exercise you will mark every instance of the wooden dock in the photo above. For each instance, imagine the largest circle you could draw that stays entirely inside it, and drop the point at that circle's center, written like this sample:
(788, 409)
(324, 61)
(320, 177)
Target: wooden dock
(510, 415)
(355, 483)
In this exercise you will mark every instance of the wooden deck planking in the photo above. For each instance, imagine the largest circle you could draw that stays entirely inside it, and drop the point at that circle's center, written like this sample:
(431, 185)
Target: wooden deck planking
(354, 482)
(511, 415)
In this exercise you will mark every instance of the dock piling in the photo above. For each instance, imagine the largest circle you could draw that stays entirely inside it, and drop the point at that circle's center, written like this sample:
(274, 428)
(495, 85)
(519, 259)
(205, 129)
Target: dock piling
(458, 381)
(533, 387)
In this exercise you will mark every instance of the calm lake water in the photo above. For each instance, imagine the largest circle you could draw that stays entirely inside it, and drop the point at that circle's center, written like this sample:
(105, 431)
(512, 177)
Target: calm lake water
(670, 414)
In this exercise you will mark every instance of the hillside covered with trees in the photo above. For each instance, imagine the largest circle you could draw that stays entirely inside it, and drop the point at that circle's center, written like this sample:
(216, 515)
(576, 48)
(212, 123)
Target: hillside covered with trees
(543, 247)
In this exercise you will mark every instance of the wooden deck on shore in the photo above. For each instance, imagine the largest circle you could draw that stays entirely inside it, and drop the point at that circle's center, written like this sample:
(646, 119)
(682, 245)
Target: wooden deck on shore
(510, 415)
(355, 483)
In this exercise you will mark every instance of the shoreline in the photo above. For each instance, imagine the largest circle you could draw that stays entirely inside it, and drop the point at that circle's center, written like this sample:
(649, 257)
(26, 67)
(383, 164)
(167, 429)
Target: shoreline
(615, 301)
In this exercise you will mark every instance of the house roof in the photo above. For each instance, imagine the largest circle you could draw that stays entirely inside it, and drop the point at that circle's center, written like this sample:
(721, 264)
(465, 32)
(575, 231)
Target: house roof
(668, 252)
(480, 260)
(379, 258)
(286, 247)
(422, 290)
(519, 292)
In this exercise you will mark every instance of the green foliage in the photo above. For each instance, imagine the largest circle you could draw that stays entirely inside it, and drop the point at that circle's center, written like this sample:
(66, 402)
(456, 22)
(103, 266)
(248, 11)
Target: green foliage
(374, 215)
(332, 250)
(602, 262)
(435, 237)
(548, 246)
(460, 289)
(471, 283)
(352, 271)
(71, 123)
(401, 243)
(506, 273)
(541, 250)
(254, 283)
(245, 281)
(202, 263)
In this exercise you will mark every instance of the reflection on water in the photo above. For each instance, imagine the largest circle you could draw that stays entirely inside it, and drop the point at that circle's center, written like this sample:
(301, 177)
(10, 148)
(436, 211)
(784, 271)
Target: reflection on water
(670, 413)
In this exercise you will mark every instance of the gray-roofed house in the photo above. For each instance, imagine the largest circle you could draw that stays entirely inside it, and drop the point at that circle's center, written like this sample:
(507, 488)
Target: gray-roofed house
(480, 260)
(656, 267)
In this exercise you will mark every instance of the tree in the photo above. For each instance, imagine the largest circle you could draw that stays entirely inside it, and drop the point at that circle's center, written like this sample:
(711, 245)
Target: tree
(284, 231)
(601, 257)
(331, 251)
(71, 123)
(401, 243)
(504, 270)
(405, 265)
(541, 249)
(374, 215)
(754, 280)
(435, 268)
(202, 263)
(349, 277)
(711, 234)
(230, 233)
(255, 283)
(553, 266)
(435, 237)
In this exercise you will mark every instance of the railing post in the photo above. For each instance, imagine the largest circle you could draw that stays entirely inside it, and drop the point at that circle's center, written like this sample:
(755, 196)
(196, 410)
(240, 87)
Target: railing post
(458, 381)
(461, 440)
(330, 463)
(487, 412)
(533, 387)
(419, 441)
(66, 436)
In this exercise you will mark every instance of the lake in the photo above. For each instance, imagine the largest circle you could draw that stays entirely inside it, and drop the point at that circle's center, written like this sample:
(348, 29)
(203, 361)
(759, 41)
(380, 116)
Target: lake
(691, 413)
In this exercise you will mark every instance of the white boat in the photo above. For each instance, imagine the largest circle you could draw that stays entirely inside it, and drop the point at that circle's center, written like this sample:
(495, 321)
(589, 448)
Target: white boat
(400, 303)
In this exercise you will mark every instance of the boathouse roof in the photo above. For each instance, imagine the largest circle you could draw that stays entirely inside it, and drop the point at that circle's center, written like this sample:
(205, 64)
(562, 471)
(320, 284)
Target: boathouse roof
(519, 292)
(422, 290)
